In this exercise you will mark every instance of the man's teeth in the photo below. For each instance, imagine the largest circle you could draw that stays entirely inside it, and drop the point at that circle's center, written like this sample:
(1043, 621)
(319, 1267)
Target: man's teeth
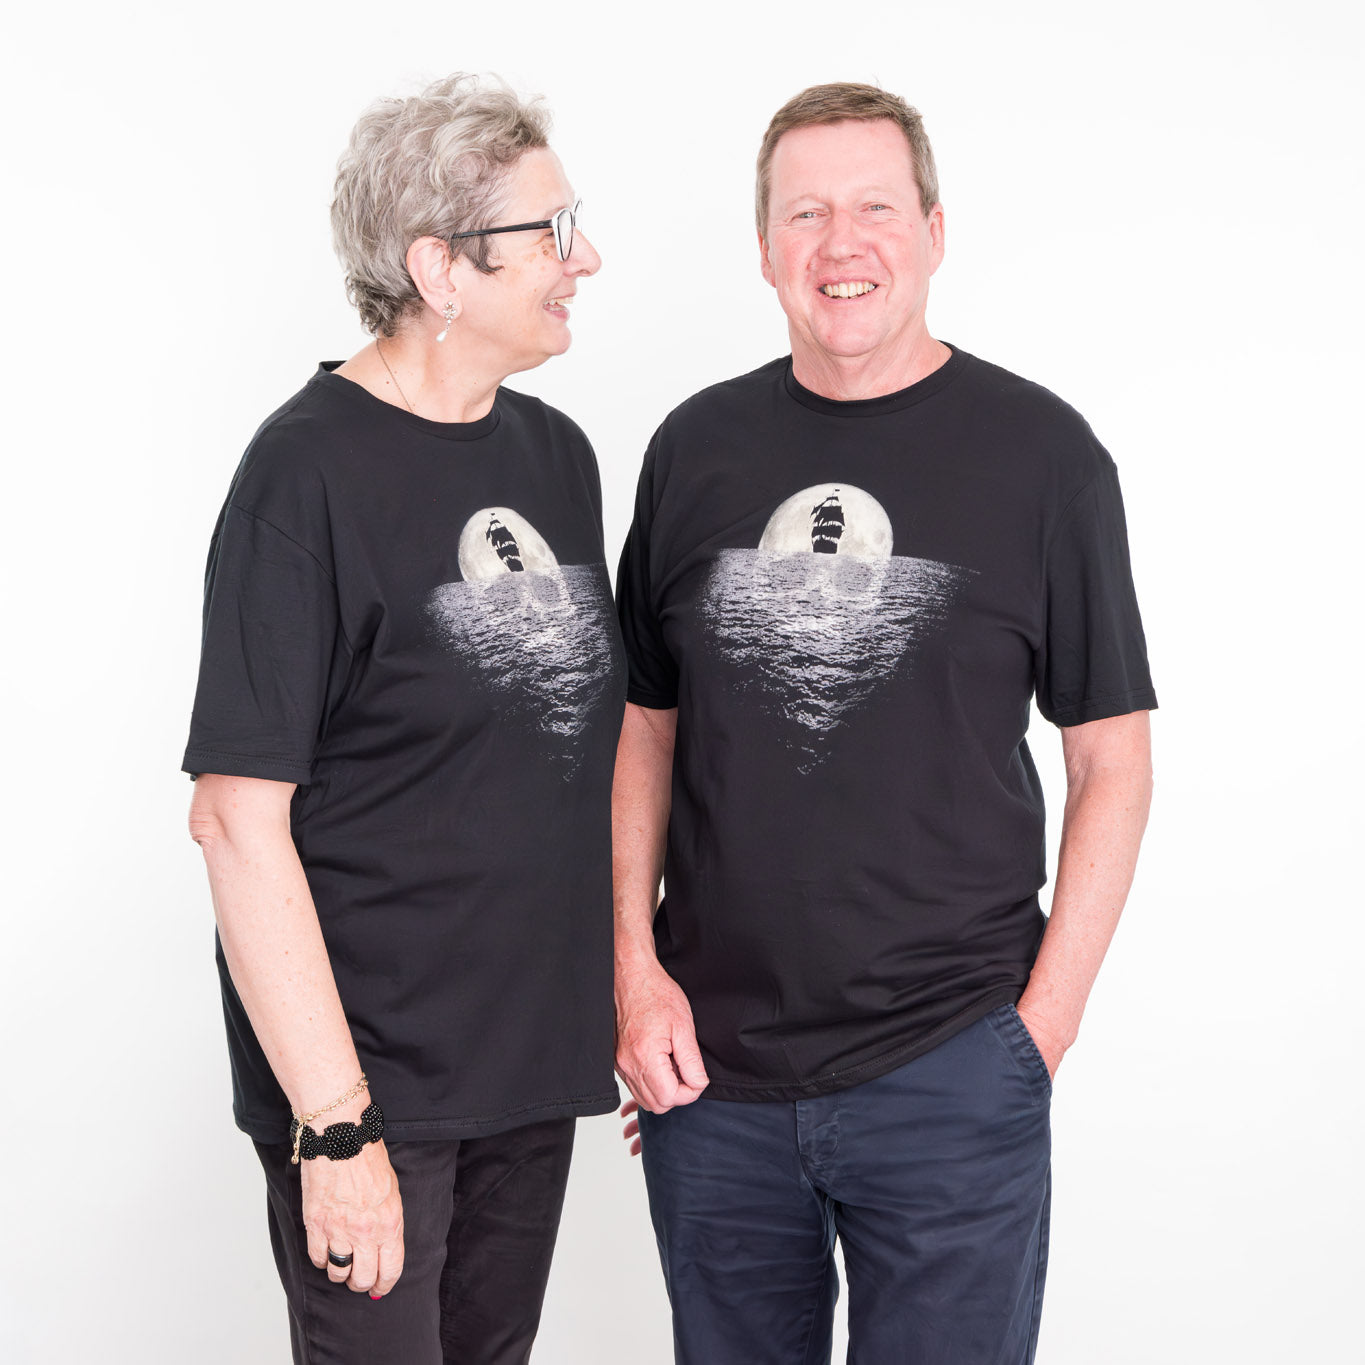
(846, 291)
(560, 303)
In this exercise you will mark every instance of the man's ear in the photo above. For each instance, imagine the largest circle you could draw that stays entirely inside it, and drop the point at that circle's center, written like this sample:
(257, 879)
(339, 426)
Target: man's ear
(936, 237)
(765, 264)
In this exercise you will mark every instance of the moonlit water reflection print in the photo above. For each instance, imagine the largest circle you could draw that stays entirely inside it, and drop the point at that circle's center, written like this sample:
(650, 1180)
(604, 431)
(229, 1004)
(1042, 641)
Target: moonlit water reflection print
(816, 619)
(538, 633)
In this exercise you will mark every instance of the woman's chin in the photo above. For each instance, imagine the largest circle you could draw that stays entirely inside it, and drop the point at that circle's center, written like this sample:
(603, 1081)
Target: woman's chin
(559, 341)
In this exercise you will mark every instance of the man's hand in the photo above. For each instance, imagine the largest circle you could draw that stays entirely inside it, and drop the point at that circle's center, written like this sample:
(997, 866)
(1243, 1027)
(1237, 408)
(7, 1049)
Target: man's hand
(353, 1207)
(656, 1043)
(1050, 1047)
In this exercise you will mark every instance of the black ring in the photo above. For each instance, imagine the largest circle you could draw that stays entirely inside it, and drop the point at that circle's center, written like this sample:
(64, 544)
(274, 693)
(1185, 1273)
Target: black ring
(341, 1262)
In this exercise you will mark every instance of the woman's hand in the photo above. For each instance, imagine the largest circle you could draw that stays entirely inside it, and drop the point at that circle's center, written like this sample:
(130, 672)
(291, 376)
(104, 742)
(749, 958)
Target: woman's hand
(354, 1206)
(631, 1132)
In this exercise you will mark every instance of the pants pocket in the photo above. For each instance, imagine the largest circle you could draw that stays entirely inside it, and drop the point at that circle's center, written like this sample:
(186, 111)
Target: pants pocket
(1013, 1035)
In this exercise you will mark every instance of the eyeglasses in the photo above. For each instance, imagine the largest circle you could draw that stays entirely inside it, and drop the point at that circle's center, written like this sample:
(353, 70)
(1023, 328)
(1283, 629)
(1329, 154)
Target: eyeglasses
(562, 223)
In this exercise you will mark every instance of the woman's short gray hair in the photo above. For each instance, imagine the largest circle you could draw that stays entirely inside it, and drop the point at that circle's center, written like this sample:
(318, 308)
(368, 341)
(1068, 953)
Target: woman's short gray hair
(428, 166)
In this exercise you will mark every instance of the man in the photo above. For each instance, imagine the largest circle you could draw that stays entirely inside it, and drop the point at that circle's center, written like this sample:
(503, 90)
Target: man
(848, 575)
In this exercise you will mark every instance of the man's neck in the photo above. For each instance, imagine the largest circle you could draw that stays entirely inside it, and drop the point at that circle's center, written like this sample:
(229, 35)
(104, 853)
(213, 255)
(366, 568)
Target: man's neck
(846, 378)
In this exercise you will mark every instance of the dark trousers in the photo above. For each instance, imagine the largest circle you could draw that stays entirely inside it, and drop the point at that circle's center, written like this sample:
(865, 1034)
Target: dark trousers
(480, 1217)
(934, 1178)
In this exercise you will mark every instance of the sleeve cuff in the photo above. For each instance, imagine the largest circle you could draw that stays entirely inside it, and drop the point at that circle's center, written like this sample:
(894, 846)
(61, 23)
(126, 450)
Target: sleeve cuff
(197, 761)
(1103, 708)
(651, 701)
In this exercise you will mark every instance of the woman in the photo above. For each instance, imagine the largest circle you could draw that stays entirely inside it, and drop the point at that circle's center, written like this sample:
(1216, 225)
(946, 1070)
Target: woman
(407, 709)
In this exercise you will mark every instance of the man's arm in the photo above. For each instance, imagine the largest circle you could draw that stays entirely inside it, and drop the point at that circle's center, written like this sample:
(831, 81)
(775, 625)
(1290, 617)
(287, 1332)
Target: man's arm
(1108, 792)
(275, 952)
(656, 1044)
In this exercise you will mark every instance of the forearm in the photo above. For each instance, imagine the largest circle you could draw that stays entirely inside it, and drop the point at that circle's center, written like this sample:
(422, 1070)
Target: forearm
(656, 1042)
(278, 960)
(641, 800)
(1109, 788)
(273, 943)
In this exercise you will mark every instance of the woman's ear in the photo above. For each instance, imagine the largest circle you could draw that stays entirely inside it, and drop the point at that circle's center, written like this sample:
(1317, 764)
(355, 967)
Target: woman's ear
(434, 273)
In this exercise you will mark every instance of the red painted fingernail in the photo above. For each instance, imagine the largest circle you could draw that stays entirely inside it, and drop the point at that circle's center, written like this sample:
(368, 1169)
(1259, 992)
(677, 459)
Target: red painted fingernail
(376, 1296)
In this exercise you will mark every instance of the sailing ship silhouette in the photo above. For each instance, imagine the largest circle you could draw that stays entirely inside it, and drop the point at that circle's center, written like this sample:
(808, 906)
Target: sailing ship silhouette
(827, 525)
(504, 544)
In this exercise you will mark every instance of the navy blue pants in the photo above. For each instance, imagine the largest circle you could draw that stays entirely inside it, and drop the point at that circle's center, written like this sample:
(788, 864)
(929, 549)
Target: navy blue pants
(480, 1217)
(935, 1179)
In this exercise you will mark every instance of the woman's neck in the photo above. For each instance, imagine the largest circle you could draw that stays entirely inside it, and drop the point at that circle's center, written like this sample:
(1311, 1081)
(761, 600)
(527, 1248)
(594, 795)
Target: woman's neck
(424, 376)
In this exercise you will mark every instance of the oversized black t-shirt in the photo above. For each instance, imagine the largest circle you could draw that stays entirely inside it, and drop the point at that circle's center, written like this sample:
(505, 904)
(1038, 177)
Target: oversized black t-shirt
(852, 605)
(412, 621)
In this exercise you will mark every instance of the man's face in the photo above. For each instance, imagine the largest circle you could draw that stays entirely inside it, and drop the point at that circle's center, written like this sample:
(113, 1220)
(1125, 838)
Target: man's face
(848, 247)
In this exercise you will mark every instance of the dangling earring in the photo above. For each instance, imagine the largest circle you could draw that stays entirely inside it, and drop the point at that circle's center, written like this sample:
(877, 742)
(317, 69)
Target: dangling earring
(448, 312)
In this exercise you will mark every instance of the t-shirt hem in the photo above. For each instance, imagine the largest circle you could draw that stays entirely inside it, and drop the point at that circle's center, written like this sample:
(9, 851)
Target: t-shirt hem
(450, 1130)
(830, 1082)
(1103, 708)
(198, 761)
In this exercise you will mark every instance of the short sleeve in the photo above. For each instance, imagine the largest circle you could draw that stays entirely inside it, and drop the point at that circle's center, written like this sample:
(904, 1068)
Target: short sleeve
(270, 636)
(1092, 663)
(652, 672)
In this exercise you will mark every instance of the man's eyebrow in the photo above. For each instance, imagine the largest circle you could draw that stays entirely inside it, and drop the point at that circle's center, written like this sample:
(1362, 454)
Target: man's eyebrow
(862, 192)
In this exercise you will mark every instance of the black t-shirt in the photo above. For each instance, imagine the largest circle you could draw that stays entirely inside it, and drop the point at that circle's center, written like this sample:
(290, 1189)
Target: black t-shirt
(852, 604)
(412, 621)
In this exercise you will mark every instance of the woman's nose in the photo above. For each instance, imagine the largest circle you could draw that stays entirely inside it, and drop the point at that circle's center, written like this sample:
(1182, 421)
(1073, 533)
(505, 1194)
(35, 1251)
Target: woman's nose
(583, 257)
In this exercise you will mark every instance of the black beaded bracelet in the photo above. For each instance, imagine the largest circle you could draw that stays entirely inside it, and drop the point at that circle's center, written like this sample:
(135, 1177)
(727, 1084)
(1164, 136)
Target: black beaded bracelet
(338, 1141)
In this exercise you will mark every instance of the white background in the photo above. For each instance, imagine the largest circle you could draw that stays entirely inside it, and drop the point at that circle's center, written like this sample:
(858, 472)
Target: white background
(1153, 209)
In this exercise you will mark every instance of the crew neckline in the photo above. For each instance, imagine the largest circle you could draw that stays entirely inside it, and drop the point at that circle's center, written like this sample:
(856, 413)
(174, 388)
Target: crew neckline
(934, 382)
(445, 431)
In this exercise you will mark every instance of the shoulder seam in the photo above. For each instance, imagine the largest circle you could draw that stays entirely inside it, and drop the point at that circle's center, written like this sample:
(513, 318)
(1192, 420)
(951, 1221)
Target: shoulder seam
(1066, 511)
(317, 563)
(265, 521)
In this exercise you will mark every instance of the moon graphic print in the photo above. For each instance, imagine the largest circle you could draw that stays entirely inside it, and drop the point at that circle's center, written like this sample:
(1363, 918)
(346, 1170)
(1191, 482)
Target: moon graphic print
(816, 620)
(537, 633)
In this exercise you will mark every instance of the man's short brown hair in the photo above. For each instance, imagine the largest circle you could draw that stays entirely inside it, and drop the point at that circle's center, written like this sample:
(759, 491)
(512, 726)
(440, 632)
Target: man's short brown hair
(836, 103)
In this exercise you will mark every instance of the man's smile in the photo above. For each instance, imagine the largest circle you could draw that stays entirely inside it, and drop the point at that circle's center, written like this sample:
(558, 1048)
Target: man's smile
(847, 289)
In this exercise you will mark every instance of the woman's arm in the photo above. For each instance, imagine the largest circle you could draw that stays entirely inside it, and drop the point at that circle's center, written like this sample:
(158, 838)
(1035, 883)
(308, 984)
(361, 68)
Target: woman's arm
(278, 961)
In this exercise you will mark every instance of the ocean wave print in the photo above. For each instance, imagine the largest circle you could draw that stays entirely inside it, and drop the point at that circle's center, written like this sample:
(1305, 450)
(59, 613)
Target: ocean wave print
(541, 642)
(813, 635)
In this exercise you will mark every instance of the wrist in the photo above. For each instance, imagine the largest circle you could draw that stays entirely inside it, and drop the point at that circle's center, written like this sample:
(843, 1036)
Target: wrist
(339, 1140)
(1045, 1027)
(324, 1107)
(349, 1112)
(634, 946)
(337, 1130)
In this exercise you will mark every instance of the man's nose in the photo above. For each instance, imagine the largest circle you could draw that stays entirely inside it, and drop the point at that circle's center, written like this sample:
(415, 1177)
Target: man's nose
(842, 236)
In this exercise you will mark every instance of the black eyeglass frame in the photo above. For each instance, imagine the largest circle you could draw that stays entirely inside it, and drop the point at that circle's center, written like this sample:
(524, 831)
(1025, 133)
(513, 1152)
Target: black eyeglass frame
(563, 239)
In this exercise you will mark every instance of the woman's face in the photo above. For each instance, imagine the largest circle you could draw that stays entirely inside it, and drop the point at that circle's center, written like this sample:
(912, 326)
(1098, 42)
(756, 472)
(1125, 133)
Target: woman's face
(517, 317)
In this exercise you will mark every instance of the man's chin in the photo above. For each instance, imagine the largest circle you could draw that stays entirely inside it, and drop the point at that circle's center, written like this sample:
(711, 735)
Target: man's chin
(843, 344)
